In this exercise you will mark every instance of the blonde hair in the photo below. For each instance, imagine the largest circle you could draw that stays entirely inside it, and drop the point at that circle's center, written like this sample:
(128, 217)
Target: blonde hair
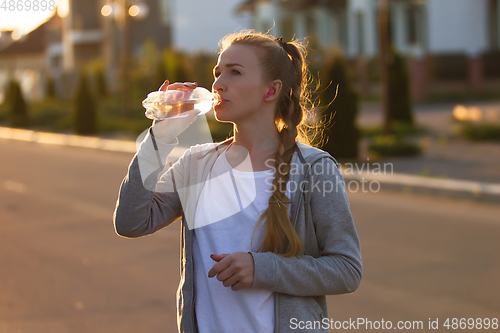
(286, 62)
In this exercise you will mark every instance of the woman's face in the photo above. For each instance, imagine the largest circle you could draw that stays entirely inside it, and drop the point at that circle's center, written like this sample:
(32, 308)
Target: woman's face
(240, 84)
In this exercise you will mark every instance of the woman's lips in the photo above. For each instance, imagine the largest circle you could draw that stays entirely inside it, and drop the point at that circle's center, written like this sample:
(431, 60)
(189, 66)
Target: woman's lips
(222, 102)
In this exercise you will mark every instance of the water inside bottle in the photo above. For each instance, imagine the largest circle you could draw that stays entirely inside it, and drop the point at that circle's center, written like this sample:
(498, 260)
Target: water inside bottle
(161, 105)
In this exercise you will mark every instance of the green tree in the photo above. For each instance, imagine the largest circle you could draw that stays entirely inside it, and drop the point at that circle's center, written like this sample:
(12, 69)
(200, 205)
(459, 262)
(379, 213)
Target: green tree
(18, 109)
(343, 135)
(176, 66)
(100, 82)
(315, 57)
(159, 75)
(145, 70)
(85, 110)
(148, 57)
(50, 89)
(400, 106)
(203, 64)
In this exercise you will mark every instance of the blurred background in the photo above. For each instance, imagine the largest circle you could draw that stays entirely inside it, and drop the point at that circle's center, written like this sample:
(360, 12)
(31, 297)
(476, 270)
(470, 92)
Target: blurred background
(412, 85)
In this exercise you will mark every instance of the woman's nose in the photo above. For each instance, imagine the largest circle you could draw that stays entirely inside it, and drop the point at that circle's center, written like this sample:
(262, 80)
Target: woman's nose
(217, 85)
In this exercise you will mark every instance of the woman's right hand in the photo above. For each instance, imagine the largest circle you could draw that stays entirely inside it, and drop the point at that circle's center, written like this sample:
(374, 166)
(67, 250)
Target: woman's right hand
(167, 130)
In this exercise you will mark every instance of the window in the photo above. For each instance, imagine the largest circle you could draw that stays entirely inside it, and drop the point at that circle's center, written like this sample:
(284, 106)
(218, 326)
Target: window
(360, 26)
(56, 61)
(342, 29)
(413, 19)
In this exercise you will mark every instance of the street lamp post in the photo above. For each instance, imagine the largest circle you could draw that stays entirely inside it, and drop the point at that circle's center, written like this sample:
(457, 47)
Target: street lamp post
(383, 24)
(122, 12)
(124, 59)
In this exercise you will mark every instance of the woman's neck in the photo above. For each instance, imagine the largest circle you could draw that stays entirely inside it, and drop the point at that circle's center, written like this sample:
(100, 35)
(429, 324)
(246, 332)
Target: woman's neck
(259, 143)
(257, 140)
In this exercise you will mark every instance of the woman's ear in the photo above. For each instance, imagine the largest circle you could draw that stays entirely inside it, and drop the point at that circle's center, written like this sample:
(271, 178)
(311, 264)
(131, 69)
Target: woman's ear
(274, 90)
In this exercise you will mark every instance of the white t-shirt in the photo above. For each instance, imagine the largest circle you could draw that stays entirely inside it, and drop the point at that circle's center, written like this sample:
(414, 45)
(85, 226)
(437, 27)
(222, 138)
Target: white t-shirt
(225, 218)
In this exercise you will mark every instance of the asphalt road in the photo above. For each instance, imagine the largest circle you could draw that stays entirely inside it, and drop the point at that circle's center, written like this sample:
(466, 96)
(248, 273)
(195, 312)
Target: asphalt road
(63, 268)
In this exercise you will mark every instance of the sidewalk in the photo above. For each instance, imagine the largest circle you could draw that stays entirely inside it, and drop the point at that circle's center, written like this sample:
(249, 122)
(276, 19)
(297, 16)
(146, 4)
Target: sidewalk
(449, 166)
(125, 146)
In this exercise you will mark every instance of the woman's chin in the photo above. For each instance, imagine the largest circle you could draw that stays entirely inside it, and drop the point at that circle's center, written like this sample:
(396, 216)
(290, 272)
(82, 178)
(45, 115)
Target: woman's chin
(222, 119)
(221, 115)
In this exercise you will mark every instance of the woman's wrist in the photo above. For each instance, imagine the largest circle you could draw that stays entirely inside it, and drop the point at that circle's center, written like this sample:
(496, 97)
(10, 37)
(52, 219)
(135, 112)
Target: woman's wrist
(161, 137)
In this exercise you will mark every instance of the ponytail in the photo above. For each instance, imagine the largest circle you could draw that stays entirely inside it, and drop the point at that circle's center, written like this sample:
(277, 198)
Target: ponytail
(284, 61)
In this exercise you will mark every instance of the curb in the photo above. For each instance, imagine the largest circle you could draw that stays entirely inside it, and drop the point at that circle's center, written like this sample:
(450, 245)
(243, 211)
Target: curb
(454, 188)
(124, 146)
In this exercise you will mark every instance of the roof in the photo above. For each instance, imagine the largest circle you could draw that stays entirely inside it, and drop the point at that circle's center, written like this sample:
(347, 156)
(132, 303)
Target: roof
(249, 5)
(34, 42)
(5, 38)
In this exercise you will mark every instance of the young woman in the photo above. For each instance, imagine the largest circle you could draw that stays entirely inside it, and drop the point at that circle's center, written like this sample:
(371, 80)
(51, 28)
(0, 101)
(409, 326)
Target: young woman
(266, 226)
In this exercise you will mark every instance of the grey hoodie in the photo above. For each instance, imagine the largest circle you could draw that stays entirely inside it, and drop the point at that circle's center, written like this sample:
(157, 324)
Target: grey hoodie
(150, 199)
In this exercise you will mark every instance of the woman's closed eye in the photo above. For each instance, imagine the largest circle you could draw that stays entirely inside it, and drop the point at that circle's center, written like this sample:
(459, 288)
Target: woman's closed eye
(233, 72)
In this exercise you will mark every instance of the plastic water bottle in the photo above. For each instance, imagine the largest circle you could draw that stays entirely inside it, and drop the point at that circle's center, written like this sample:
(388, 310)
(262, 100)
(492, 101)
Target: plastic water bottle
(171, 104)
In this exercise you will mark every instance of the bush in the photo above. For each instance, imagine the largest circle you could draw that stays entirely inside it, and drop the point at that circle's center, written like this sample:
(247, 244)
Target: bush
(480, 132)
(85, 111)
(50, 89)
(57, 115)
(397, 129)
(400, 108)
(17, 107)
(343, 135)
(120, 125)
(50, 114)
(391, 145)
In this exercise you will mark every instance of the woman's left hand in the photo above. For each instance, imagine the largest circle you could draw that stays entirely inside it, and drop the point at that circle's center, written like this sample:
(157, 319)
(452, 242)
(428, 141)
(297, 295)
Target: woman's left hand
(234, 270)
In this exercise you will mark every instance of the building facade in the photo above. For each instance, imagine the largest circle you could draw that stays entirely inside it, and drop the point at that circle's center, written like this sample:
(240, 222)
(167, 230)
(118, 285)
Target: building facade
(420, 29)
(80, 34)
